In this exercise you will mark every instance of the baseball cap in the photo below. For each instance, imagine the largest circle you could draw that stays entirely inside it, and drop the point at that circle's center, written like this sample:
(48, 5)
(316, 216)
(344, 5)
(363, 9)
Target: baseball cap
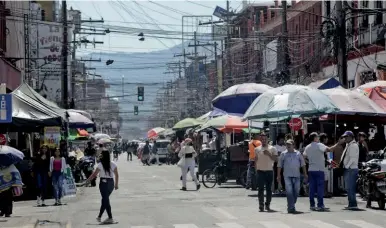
(348, 133)
(263, 134)
(290, 141)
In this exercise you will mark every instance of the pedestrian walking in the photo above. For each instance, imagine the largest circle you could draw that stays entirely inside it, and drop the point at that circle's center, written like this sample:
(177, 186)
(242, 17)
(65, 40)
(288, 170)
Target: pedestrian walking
(279, 186)
(107, 170)
(57, 168)
(146, 153)
(255, 142)
(129, 148)
(290, 162)
(315, 154)
(40, 170)
(187, 163)
(154, 152)
(349, 161)
(265, 156)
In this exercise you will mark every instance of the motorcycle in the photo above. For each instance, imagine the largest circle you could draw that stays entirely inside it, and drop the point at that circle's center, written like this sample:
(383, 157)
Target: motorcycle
(372, 183)
(86, 164)
(74, 165)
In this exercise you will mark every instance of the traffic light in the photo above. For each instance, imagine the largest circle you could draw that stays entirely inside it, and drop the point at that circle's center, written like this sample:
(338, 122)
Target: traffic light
(136, 110)
(141, 92)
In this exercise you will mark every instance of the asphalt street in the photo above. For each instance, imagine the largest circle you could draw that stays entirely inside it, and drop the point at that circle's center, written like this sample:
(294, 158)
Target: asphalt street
(149, 197)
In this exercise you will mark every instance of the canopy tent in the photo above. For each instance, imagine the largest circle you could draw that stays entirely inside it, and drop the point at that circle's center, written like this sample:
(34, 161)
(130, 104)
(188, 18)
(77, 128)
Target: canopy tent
(327, 83)
(26, 91)
(290, 100)
(76, 118)
(237, 98)
(225, 123)
(30, 115)
(353, 103)
(215, 113)
(187, 123)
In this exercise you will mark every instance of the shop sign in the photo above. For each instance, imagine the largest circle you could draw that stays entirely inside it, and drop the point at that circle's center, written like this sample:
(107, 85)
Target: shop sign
(52, 136)
(3, 139)
(48, 67)
(295, 124)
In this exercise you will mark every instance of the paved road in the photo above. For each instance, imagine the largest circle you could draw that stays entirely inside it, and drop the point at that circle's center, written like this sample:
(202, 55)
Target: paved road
(149, 197)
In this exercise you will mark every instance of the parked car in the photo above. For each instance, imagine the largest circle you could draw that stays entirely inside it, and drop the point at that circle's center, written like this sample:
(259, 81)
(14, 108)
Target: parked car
(162, 149)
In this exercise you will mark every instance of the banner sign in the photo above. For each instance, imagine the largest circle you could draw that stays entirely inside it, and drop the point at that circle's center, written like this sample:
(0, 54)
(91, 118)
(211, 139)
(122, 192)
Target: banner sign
(52, 136)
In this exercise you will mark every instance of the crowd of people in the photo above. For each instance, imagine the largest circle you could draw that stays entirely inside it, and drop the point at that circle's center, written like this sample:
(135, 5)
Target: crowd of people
(290, 167)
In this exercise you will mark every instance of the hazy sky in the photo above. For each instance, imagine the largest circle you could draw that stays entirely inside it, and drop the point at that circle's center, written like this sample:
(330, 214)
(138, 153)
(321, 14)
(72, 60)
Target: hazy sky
(156, 14)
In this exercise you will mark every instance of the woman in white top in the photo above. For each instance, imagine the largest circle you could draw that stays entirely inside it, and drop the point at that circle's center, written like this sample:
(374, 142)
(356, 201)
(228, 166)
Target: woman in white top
(187, 155)
(106, 170)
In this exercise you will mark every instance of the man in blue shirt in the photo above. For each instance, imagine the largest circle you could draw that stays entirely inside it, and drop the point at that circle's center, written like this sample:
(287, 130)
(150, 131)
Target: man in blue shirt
(291, 161)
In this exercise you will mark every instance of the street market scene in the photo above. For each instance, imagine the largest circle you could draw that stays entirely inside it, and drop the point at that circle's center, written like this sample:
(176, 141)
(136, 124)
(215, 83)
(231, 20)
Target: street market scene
(253, 115)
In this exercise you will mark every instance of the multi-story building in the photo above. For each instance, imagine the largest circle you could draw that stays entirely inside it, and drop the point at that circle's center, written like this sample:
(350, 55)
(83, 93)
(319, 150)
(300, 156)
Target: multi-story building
(304, 19)
(366, 44)
(12, 42)
(245, 58)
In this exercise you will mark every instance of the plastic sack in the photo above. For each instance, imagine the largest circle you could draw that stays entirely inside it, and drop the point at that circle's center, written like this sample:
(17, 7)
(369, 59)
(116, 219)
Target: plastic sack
(69, 187)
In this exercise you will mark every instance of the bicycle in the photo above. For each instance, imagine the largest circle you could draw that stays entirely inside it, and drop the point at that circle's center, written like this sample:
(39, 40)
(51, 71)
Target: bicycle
(217, 175)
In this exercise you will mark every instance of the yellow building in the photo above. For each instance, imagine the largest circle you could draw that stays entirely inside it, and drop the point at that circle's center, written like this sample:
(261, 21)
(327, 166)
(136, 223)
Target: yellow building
(50, 9)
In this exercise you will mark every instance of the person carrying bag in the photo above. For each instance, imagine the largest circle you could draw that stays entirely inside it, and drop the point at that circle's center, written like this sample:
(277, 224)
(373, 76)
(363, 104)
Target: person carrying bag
(187, 162)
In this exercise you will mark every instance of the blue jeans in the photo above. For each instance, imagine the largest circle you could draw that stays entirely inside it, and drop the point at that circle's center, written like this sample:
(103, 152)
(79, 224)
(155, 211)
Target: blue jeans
(350, 178)
(57, 183)
(41, 185)
(292, 186)
(316, 182)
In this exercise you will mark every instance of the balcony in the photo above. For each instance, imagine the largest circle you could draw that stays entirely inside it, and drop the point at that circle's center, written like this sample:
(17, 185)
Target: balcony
(370, 35)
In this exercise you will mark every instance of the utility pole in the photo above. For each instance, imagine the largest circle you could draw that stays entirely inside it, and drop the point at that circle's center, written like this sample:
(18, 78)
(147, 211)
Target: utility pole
(64, 56)
(283, 64)
(228, 49)
(342, 49)
(27, 62)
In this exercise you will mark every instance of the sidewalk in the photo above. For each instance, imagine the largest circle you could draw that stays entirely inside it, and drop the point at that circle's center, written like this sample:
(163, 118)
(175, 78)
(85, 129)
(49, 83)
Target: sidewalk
(27, 215)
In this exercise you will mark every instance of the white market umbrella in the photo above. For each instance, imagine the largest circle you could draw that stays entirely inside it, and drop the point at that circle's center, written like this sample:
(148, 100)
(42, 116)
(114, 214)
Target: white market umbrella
(290, 100)
(351, 102)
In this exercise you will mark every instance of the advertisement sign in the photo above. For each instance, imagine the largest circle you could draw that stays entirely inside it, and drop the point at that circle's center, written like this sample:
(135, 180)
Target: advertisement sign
(52, 136)
(5, 108)
(295, 124)
(48, 69)
(220, 12)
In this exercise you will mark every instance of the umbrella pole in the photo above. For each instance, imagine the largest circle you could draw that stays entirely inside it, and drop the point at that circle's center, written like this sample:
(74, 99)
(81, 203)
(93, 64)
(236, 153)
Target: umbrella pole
(233, 136)
(249, 129)
(336, 122)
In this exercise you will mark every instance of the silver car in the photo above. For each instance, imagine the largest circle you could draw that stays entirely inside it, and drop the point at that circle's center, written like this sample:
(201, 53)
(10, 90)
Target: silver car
(162, 149)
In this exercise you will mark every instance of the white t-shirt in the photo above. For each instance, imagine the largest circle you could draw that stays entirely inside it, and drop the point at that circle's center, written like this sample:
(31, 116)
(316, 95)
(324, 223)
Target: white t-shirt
(104, 174)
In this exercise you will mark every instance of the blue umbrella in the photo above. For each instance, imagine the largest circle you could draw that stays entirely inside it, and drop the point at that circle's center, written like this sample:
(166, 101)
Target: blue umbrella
(290, 100)
(238, 98)
(9, 156)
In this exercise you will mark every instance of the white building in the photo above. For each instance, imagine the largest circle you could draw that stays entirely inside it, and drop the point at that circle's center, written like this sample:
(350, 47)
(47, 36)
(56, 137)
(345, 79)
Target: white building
(368, 53)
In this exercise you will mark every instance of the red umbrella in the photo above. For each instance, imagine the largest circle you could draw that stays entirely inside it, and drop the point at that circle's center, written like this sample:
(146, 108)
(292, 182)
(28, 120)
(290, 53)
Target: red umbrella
(154, 132)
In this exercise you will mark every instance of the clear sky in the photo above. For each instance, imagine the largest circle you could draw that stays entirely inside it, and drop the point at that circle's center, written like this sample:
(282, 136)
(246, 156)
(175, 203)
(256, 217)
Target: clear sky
(156, 14)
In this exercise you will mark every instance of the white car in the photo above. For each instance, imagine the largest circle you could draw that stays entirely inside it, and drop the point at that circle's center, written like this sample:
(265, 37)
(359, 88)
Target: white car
(162, 149)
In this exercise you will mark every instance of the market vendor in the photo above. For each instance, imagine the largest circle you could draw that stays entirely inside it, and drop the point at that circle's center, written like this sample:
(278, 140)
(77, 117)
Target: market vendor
(10, 185)
(255, 142)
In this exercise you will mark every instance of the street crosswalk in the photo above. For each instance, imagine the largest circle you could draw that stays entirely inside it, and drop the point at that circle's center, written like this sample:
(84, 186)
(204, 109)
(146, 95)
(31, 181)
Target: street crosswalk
(300, 223)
